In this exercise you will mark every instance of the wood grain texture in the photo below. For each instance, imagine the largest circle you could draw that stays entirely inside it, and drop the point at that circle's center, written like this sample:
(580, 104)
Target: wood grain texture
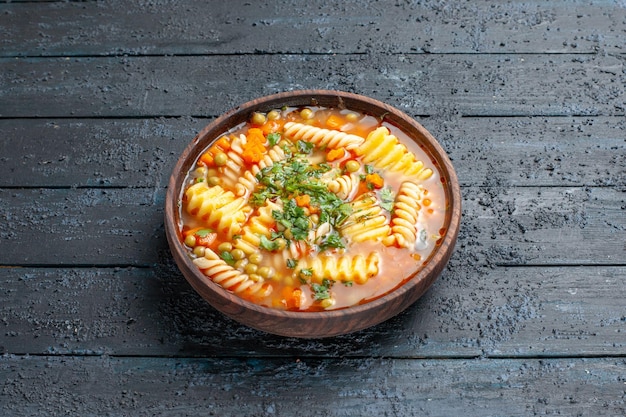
(341, 387)
(97, 99)
(355, 26)
(477, 311)
(511, 151)
(467, 85)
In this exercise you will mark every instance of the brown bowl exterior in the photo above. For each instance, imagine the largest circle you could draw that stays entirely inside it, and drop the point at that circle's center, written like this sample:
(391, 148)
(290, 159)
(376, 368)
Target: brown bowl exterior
(326, 323)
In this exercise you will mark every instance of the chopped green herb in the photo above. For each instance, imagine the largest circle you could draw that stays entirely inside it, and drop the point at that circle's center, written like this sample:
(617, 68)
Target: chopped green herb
(203, 232)
(270, 245)
(387, 198)
(369, 169)
(292, 263)
(305, 147)
(227, 257)
(306, 272)
(332, 240)
(321, 292)
(273, 138)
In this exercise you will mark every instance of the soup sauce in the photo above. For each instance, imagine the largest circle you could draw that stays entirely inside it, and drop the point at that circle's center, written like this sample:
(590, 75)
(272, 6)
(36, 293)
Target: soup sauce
(308, 209)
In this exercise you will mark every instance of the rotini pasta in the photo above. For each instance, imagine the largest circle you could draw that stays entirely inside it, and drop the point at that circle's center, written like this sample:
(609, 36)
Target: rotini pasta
(310, 209)
(368, 220)
(345, 268)
(384, 151)
(230, 278)
(218, 208)
(346, 186)
(322, 137)
(405, 215)
(258, 226)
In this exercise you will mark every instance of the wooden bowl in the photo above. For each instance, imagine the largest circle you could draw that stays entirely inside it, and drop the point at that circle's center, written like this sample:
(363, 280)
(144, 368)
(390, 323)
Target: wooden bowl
(331, 322)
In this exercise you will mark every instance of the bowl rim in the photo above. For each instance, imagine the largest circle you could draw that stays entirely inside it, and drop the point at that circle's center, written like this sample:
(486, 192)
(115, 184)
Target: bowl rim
(388, 114)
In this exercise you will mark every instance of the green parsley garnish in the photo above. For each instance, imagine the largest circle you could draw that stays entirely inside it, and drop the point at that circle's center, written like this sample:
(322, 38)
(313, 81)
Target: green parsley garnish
(332, 240)
(387, 198)
(292, 263)
(292, 177)
(294, 219)
(267, 244)
(304, 147)
(228, 258)
(321, 292)
(203, 232)
(273, 138)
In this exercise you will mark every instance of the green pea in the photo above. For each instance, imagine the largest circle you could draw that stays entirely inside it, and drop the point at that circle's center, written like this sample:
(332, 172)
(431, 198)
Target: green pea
(220, 159)
(306, 114)
(190, 241)
(281, 243)
(256, 257)
(225, 247)
(288, 235)
(251, 268)
(238, 254)
(266, 272)
(214, 181)
(255, 277)
(258, 118)
(273, 115)
(241, 264)
(326, 303)
(199, 251)
(352, 117)
(352, 166)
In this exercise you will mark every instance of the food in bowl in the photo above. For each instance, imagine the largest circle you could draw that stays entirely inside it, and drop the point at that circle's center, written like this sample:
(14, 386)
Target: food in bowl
(312, 208)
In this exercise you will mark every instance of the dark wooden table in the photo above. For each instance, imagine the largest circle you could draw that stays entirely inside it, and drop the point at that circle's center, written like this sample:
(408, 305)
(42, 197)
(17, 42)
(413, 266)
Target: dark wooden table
(97, 99)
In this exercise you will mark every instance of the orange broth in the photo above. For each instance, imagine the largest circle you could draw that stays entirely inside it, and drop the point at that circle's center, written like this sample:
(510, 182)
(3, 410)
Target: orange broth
(281, 285)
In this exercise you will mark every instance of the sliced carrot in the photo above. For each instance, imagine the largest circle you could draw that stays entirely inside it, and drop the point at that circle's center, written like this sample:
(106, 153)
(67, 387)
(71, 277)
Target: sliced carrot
(221, 145)
(375, 180)
(334, 121)
(335, 154)
(303, 200)
(254, 149)
(292, 297)
(272, 126)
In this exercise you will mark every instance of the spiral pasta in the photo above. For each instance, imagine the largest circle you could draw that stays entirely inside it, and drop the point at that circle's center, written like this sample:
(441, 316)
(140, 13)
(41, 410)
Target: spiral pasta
(345, 186)
(322, 137)
(368, 220)
(233, 168)
(405, 215)
(219, 209)
(384, 151)
(230, 278)
(257, 226)
(345, 268)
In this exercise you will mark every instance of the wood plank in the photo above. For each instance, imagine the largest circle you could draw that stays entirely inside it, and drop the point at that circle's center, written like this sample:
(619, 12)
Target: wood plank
(187, 27)
(93, 152)
(501, 226)
(517, 151)
(545, 226)
(466, 85)
(89, 386)
(82, 226)
(471, 311)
